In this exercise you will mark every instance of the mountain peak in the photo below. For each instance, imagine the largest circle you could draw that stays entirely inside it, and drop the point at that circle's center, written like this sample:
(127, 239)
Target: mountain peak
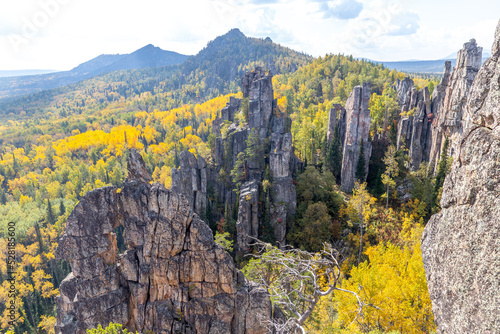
(235, 32)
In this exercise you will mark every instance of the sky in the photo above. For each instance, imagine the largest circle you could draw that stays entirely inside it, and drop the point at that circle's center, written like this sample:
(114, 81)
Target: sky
(60, 34)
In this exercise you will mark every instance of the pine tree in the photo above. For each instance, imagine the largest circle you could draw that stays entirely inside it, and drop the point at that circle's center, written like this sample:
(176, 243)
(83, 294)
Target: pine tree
(51, 219)
(15, 164)
(391, 171)
(62, 209)
(442, 170)
(3, 198)
(361, 166)
(177, 160)
(334, 156)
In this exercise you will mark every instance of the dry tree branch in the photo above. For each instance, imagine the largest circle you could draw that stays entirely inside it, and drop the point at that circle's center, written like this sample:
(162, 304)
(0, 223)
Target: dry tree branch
(300, 279)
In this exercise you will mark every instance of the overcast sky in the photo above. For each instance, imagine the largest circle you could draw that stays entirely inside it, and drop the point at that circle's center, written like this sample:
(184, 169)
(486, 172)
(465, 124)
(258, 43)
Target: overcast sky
(60, 34)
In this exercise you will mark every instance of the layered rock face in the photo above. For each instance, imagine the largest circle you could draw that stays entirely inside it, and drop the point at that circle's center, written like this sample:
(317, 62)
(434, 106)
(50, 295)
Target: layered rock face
(357, 129)
(333, 123)
(173, 278)
(414, 126)
(266, 134)
(402, 88)
(448, 109)
(191, 180)
(437, 106)
(257, 86)
(461, 244)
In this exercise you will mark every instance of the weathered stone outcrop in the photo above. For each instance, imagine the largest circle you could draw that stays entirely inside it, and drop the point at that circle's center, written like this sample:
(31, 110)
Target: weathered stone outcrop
(248, 223)
(448, 108)
(424, 125)
(403, 89)
(357, 129)
(257, 87)
(190, 180)
(173, 278)
(334, 123)
(437, 106)
(282, 163)
(461, 244)
(265, 134)
(414, 126)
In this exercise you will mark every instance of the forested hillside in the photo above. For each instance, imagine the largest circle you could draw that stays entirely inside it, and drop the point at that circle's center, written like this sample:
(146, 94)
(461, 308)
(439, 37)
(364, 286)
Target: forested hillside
(215, 70)
(58, 145)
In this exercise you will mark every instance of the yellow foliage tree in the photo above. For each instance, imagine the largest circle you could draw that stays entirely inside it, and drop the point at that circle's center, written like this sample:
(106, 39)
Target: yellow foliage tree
(392, 286)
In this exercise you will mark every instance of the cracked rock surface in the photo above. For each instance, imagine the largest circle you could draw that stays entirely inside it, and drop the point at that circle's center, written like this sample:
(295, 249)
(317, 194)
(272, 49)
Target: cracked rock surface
(461, 244)
(172, 278)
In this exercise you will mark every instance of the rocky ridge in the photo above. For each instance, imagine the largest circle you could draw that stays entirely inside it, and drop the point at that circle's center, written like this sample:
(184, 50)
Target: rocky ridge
(259, 148)
(414, 128)
(461, 244)
(424, 124)
(173, 277)
(449, 109)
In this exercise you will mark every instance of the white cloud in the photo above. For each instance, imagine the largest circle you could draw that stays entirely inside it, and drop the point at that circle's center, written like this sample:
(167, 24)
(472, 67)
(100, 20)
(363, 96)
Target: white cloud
(342, 9)
(376, 29)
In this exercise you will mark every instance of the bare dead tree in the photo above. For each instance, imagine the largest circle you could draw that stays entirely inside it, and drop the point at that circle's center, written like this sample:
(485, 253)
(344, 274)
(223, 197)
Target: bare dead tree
(296, 280)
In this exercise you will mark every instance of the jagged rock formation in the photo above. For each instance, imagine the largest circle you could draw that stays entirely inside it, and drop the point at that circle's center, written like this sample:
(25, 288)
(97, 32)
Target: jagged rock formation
(424, 125)
(190, 180)
(333, 123)
(264, 134)
(173, 278)
(402, 88)
(437, 106)
(461, 244)
(414, 126)
(257, 87)
(357, 129)
(449, 109)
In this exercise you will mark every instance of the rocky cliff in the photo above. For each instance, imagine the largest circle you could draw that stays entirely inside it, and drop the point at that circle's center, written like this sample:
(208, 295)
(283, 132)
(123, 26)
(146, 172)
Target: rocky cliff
(461, 244)
(254, 154)
(357, 125)
(173, 278)
(448, 108)
(414, 128)
(190, 180)
(424, 125)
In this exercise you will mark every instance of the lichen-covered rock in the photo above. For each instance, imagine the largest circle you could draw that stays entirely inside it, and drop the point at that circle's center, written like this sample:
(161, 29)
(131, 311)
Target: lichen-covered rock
(173, 278)
(357, 129)
(461, 244)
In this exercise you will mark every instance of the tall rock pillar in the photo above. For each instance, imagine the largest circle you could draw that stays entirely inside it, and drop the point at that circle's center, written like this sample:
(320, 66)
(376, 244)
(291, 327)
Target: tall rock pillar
(357, 129)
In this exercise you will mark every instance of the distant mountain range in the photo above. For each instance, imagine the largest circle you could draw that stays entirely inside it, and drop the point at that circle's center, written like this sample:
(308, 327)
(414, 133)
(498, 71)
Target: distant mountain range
(18, 73)
(424, 66)
(215, 70)
(32, 82)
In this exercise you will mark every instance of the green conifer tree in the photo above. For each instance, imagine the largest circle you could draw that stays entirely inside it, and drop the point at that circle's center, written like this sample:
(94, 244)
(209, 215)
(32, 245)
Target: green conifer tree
(361, 166)
(51, 219)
